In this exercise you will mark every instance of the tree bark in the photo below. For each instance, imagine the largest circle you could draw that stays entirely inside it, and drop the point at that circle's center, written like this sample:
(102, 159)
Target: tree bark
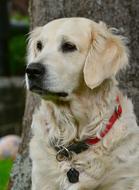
(123, 15)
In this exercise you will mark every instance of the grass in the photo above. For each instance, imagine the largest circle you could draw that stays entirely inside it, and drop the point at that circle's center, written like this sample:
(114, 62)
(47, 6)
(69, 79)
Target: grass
(5, 168)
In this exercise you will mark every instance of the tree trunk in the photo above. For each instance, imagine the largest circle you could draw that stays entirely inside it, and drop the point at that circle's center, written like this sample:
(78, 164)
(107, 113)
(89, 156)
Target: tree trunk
(123, 15)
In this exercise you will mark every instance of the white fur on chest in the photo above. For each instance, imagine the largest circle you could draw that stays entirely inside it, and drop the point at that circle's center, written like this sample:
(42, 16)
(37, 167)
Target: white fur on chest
(94, 165)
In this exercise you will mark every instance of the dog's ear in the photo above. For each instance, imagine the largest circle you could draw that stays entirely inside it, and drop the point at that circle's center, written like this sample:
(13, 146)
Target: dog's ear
(106, 56)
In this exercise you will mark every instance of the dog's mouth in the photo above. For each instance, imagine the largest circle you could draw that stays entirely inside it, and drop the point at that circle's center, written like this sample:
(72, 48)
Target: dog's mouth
(45, 92)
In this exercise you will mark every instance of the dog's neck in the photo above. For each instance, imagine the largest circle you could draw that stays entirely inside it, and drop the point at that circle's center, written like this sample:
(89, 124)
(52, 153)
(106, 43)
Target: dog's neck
(93, 108)
(87, 113)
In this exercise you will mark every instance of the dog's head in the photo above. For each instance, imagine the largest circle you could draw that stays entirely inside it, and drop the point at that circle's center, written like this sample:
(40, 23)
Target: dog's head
(67, 52)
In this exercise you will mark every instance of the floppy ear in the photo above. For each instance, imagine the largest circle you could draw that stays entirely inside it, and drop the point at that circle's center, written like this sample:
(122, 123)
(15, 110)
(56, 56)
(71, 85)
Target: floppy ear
(107, 55)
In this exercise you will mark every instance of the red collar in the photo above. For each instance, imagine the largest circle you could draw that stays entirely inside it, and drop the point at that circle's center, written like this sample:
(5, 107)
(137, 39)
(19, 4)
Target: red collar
(117, 113)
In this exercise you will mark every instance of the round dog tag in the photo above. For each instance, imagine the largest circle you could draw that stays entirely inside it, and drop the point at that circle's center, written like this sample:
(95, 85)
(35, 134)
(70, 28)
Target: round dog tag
(73, 175)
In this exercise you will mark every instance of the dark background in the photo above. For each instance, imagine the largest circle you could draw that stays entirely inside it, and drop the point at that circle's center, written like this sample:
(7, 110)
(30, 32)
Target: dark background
(14, 26)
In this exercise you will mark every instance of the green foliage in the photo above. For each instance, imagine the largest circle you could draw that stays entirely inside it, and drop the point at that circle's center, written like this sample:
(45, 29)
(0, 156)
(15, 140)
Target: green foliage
(18, 16)
(17, 48)
(5, 168)
(17, 44)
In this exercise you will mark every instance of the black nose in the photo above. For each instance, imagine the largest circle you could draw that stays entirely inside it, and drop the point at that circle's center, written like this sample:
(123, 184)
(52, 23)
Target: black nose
(35, 70)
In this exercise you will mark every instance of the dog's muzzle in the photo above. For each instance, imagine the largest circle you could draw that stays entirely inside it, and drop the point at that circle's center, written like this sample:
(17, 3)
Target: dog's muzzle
(35, 73)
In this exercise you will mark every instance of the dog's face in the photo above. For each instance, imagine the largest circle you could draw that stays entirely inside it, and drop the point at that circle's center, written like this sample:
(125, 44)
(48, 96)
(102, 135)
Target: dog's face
(68, 52)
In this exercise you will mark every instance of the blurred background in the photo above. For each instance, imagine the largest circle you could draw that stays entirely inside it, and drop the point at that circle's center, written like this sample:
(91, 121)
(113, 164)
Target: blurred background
(14, 27)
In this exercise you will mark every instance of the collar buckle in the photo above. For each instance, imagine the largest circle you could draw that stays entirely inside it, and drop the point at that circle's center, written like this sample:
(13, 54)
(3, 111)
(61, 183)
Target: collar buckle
(63, 154)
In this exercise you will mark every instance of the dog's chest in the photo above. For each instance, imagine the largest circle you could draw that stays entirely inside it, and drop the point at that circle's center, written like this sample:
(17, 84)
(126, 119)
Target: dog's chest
(53, 125)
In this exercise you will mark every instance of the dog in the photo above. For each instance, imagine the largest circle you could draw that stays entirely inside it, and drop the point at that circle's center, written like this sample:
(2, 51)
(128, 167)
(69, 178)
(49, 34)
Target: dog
(85, 134)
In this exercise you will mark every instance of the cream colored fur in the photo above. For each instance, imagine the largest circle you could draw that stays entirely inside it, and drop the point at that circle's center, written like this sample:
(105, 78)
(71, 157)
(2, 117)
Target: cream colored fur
(88, 76)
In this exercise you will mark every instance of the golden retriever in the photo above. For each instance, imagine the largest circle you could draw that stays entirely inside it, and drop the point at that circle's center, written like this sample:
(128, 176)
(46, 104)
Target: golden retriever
(85, 135)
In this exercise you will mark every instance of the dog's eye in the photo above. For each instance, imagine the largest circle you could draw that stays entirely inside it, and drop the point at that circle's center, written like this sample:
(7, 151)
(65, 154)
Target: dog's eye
(39, 45)
(68, 47)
